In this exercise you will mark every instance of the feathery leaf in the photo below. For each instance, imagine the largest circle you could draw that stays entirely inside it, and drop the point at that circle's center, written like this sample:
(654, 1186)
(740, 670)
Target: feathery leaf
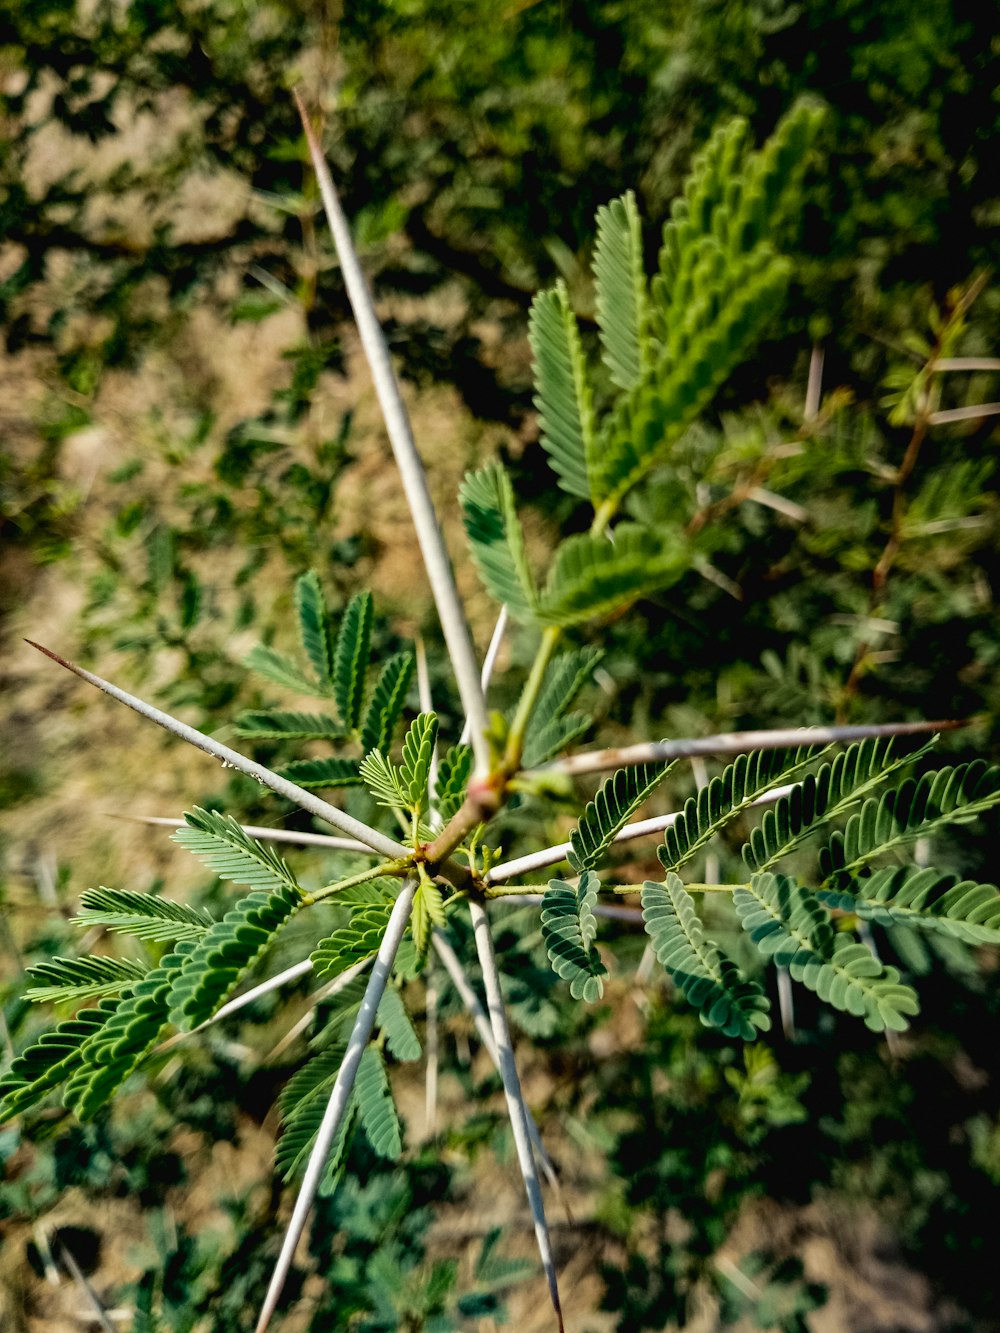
(788, 923)
(418, 753)
(376, 1109)
(453, 776)
(227, 951)
(617, 800)
(61, 979)
(350, 661)
(428, 912)
(727, 796)
(232, 854)
(496, 540)
(547, 739)
(353, 943)
(705, 977)
(141, 915)
(569, 929)
(282, 670)
(381, 777)
(593, 577)
(622, 296)
(316, 773)
(397, 1027)
(563, 397)
(923, 898)
(301, 1106)
(385, 707)
(50, 1060)
(314, 629)
(272, 724)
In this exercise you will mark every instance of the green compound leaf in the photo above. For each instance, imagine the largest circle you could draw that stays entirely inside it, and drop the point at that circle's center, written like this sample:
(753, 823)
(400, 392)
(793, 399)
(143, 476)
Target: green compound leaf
(825, 795)
(382, 779)
(228, 852)
(351, 656)
(397, 1027)
(282, 670)
(50, 1060)
(569, 929)
(117, 1048)
(563, 397)
(314, 628)
(788, 923)
(385, 707)
(705, 977)
(565, 678)
(622, 295)
(454, 772)
(428, 912)
(496, 540)
(352, 943)
(315, 773)
(227, 951)
(418, 754)
(301, 1106)
(271, 724)
(376, 1109)
(914, 809)
(141, 915)
(923, 898)
(81, 978)
(617, 800)
(727, 796)
(592, 577)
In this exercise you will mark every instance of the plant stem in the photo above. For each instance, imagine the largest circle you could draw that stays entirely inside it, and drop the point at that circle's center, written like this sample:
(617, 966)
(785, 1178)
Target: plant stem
(529, 697)
(397, 867)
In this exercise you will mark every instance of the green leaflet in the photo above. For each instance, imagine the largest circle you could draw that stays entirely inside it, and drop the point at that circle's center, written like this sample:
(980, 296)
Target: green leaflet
(428, 912)
(454, 772)
(622, 296)
(926, 899)
(565, 678)
(948, 796)
(376, 1109)
(787, 922)
(50, 1060)
(232, 854)
(352, 944)
(569, 929)
(81, 978)
(227, 951)
(562, 395)
(726, 797)
(116, 1049)
(302, 1104)
(385, 707)
(496, 540)
(397, 1027)
(141, 915)
(821, 796)
(593, 577)
(314, 629)
(418, 754)
(350, 661)
(272, 724)
(382, 779)
(331, 772)
(276, 667)
(705, 977)
(547, 739)
(617, 799)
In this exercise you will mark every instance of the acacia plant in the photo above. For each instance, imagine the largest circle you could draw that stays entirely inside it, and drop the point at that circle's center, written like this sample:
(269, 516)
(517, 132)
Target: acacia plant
(666, 346)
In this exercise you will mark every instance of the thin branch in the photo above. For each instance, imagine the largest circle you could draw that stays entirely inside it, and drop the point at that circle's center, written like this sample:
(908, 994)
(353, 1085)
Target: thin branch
(470, 999)
(431, 1046)
(233, 759)
(516, 1108)
(426, 706)
(965, 363)
(411, 469)
(971, 413)
(260, 831)
(736, 742)
(339, 1097)
(532, 898)
(489, 662)
(814, 385)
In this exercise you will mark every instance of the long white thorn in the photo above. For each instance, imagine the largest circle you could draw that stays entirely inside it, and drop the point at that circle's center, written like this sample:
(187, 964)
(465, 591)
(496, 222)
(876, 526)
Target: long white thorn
(736, 742)
(516, 1108)
(233, 759)
(461, 982)
(411, 469)
(340, 1096)
(262, 832)
(489, 662)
